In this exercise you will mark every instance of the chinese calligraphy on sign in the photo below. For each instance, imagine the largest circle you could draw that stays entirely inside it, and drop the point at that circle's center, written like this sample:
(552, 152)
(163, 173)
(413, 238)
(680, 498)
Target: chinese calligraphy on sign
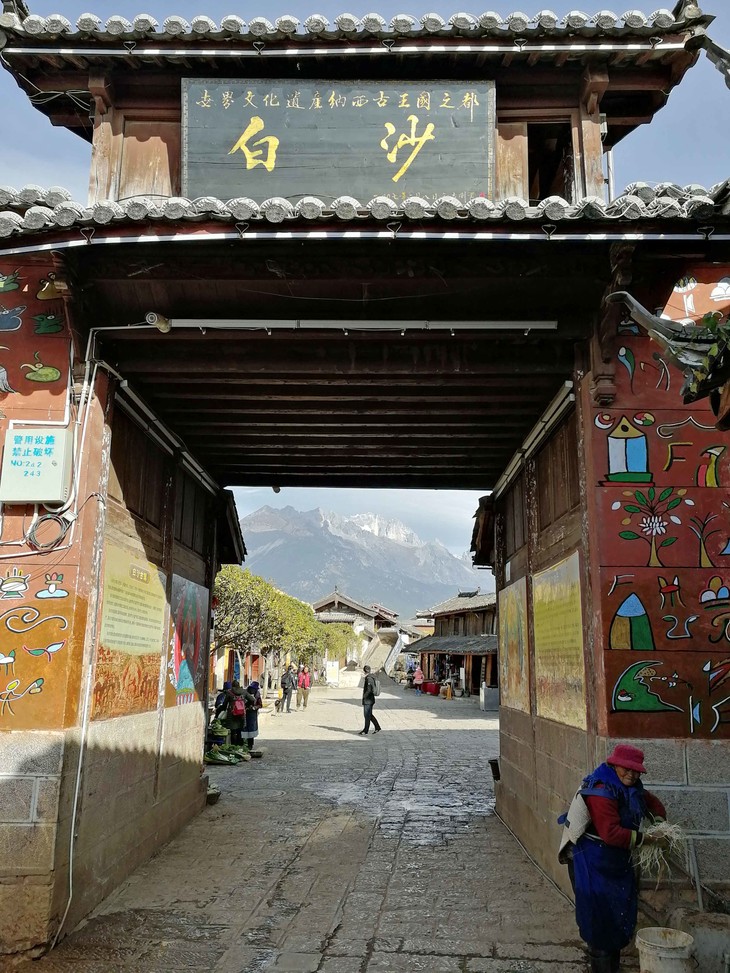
(261, 139)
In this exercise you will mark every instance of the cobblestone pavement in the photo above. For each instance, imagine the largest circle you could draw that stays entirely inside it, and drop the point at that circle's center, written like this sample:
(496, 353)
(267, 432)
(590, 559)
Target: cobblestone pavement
(341, 854)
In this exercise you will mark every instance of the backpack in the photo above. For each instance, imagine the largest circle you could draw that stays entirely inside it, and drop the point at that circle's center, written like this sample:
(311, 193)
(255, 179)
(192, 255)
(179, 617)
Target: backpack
(239, 707)
(376, 686)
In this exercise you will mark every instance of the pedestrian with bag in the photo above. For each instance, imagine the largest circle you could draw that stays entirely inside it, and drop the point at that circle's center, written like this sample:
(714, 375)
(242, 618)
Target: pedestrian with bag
(253, 704)
(370, 690)
(288, 685)
(601, 829)
(304, 684)
(235, 718)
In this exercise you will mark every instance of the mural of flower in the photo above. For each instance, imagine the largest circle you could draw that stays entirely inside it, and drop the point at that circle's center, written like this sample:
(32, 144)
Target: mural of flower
(655, 518)
(654, 526)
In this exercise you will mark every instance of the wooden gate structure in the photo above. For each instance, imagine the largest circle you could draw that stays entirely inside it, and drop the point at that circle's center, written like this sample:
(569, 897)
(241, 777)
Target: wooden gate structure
(304, 261)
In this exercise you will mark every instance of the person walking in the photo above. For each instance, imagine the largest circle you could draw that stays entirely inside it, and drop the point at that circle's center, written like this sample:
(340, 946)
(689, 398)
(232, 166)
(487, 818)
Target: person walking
(253, 705)
(370, 690)
(304, 684)
(288, 685)
(418, 680)
(601, 829)
(235, 718)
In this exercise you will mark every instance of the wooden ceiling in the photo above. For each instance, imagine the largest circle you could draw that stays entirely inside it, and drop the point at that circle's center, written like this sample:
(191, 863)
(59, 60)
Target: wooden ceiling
(344, 407)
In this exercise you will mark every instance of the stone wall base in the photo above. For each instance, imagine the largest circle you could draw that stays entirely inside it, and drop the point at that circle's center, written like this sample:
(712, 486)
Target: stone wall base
(142, 782)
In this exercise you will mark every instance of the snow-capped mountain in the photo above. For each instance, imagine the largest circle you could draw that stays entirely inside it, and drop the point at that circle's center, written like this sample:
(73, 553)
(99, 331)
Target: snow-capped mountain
(373, 559)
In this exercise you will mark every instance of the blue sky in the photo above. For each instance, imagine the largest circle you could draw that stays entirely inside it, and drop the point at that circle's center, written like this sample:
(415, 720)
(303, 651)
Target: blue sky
(689, 141)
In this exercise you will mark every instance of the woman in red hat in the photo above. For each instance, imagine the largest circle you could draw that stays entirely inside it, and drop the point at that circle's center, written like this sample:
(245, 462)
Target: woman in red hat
(602, 828)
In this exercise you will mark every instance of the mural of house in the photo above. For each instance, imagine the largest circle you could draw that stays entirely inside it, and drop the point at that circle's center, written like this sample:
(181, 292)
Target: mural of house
(463, 647)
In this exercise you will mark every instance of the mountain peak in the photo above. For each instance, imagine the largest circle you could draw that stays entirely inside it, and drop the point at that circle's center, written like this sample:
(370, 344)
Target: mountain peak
(371, 558)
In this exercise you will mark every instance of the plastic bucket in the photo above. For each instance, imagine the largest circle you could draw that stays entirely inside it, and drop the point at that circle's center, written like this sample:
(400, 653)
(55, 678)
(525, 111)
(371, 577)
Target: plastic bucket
(663, 950)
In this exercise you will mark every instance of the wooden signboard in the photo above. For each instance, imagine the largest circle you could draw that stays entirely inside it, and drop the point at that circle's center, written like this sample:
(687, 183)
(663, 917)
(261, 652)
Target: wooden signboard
(260, 139)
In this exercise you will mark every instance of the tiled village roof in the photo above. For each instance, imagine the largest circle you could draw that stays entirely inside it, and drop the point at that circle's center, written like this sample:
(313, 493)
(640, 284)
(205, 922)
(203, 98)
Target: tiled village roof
(462, 603)
(456, 644)
(118, 28)
(33, 211)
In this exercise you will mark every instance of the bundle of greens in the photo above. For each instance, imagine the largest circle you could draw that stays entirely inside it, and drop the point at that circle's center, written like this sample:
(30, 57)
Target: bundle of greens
(653, 858)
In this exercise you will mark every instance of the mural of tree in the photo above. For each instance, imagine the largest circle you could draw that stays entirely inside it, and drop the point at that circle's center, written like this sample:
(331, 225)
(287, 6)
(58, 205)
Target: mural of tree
(656, 518)
(700, 528)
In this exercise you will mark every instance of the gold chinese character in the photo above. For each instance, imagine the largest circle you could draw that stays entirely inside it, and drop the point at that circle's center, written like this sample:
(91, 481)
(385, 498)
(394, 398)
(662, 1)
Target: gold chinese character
(253, 158)
(248, 103)
(336, 101)
(359, 101)
(404, 140)
(293, 101)
(382, 100)
(424, 100)
(316, 101)
(227, 99)
(470, 101)
(403, 103)
(205, 100)
(271, 100)
(446, 100)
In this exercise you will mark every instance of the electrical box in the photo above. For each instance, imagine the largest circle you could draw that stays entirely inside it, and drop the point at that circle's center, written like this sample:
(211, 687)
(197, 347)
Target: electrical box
(37, 465)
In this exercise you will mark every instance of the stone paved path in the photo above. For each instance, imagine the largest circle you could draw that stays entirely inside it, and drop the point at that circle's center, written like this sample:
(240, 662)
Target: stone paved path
(341, 854)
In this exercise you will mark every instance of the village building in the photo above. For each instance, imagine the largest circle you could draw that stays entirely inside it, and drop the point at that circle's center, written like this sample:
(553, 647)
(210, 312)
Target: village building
(463, 647)
(230, 308)
(380, 637)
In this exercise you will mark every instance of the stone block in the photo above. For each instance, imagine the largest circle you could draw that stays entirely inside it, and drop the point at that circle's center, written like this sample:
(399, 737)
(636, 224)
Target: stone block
(16, 798)
(708, 761)
(25, 912)
(298, 962)
(713, 859)
(664, 759)
(696, 809)
(26, 752)
(26, 848)
(46, 808)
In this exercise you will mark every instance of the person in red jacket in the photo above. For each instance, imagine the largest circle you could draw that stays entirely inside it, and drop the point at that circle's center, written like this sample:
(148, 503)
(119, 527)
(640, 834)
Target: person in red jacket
(599, 855)
(304, 684)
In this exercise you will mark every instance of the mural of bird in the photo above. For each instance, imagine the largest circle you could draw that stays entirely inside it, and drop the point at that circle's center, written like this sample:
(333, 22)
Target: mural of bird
(50, 650)
(9, 282)
(48, 323)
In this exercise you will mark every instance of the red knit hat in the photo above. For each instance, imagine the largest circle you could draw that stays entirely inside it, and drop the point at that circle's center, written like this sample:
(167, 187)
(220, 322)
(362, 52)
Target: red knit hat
(624, 755)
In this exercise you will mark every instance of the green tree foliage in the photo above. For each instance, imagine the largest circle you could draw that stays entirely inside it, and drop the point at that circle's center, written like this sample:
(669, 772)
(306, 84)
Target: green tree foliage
(340, 641)
(247, 613)
(252, 612)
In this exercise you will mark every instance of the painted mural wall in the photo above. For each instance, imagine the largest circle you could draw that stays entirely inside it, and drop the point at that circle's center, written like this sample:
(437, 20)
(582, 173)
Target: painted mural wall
(558, 658)
(42, 615)
(133, 626)
(514, 650)
(188, 650)
(662, 478)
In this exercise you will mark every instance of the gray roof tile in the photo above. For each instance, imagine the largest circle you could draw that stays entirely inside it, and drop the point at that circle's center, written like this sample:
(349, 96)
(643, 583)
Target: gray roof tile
(33, 210)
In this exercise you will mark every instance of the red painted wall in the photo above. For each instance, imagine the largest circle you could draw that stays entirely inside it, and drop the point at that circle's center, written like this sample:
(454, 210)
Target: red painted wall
(662, 518)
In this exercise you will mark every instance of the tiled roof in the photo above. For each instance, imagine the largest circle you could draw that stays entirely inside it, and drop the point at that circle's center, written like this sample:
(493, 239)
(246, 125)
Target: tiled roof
(456, 644)
(33, 210)
(465, 603)
(119, 28)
